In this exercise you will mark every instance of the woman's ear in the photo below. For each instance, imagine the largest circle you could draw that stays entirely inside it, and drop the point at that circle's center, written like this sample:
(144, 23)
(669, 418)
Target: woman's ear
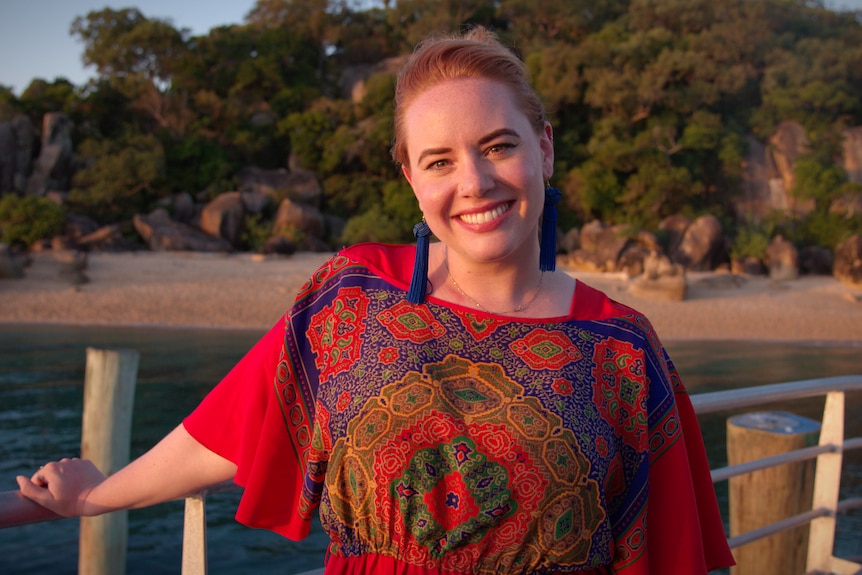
(406, 173)
(546, 143)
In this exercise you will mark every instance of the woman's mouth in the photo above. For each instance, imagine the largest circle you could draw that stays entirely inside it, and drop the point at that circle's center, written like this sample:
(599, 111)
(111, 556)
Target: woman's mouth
(479, 218)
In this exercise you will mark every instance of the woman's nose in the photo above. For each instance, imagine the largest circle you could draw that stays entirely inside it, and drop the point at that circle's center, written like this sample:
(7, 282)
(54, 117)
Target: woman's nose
(476, 177)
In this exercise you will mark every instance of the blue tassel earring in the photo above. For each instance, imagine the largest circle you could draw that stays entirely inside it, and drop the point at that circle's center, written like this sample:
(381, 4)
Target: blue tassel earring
(548, 243)
(419, 282)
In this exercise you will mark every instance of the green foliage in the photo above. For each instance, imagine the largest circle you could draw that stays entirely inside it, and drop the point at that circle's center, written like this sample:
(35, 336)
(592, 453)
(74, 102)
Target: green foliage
(824, 229)
(311, 134)
(651, 103)
(592, 191)
(26, 220)
(817, 178)
(256, 231)
(9, 105)
(379, 96)
(372, 226)
(195, 163)
(348, 194)
(124, 43)
(750, 242)
(819, 228)
(813, 83)
(401, 206)
(121, 179)
(40, 98)
(656, 191)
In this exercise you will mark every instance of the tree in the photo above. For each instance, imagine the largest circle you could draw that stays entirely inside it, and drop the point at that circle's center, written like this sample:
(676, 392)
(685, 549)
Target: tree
(121, 179)
(813, 84)
(556, 22)
(125, 44)
(414, 20)
(41, 97)
(139, 56)
(26, 220)
(9, 105)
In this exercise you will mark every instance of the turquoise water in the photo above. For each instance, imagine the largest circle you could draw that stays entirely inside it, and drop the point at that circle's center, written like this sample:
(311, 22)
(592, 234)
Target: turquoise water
(41, 389)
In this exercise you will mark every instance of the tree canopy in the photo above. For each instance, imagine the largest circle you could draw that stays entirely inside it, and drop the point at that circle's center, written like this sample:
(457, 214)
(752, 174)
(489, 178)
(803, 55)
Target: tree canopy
(651, 100)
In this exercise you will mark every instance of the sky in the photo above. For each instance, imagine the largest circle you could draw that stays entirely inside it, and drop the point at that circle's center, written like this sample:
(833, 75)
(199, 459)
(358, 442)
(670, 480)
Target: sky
(35, 40)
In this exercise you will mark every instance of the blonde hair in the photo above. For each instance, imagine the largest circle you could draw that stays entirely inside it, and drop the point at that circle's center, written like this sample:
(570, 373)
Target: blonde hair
(476, 54)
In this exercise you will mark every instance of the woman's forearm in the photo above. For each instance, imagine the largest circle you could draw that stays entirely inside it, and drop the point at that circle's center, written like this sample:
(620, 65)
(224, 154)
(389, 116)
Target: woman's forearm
(176, 466)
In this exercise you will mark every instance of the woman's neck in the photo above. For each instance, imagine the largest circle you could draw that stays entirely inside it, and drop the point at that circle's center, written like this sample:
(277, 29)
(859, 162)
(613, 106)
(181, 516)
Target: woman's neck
(504, 287)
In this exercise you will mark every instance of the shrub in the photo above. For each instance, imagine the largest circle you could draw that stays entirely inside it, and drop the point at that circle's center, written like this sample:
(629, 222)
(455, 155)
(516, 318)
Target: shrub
(257, 231)
(121, 178)
(371, 226)
(28, 219)
(750, 242)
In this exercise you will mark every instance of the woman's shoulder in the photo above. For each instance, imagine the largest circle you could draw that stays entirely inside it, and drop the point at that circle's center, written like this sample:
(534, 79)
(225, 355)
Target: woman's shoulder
(393, 262)
(591, 304)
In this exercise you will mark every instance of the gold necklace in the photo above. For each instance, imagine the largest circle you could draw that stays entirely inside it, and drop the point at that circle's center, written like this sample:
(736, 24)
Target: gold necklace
(519, 309)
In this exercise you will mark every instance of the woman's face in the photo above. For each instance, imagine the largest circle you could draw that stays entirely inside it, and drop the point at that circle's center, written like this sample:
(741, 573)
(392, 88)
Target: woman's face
(478, 168)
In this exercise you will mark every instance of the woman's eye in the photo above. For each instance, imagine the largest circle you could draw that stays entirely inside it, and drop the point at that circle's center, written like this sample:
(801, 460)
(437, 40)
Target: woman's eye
(500, 148)
(437, 165)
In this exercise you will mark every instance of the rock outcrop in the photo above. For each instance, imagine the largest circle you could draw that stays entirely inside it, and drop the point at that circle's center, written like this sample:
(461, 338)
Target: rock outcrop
(662, 280)
(297, 184)
(17, 141)
(53, 169)
(11, 266)
(782, 260)
(600, 247)
(224, 217)
(161, 233)
(848, 261)
(814, 260)
(702, 245)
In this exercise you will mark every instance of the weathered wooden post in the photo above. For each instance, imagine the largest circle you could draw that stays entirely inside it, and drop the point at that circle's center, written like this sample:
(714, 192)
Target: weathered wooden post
(769, 495)
(109, 393)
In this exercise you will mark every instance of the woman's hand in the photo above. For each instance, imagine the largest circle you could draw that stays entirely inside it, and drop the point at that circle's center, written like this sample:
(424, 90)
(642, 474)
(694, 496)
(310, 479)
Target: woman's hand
(63, 486)
(176, 466)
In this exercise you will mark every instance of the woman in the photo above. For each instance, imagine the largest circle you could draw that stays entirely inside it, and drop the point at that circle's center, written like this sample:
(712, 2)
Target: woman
(453, 408)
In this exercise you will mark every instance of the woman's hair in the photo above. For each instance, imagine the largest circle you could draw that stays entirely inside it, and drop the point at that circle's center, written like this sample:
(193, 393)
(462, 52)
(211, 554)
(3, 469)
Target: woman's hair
(476, 54)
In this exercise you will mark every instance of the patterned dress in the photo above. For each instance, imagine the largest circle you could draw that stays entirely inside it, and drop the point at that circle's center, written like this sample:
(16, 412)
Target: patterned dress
(438, 439)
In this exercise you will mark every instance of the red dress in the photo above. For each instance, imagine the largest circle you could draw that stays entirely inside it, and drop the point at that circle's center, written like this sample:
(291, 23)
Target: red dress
(438, 439)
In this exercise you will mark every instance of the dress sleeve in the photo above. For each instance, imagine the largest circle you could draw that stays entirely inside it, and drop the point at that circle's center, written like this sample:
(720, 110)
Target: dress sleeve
(684, 525)
(244, 419)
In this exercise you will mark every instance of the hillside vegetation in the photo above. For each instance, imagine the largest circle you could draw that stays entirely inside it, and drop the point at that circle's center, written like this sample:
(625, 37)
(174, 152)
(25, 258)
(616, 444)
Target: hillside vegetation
(652, 101)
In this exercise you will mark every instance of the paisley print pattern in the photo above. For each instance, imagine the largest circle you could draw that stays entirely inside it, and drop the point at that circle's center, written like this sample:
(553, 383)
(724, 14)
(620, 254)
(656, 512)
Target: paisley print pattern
(457, 440)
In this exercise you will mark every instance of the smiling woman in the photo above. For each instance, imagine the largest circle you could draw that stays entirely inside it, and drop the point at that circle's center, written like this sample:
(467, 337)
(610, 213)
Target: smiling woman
(478, 175)
(430, 434)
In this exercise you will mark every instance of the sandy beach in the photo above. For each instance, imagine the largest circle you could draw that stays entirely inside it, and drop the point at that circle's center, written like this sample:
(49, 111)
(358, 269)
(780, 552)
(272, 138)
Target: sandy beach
(243, 291)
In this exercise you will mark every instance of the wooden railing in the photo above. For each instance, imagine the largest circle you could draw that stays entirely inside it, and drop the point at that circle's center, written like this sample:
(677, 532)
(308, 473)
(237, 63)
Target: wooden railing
(828, 454)
(16, 510)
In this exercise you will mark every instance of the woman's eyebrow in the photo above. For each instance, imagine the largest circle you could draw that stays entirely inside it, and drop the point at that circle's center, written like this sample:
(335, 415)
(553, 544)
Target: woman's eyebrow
(497, 133)
(432, 152)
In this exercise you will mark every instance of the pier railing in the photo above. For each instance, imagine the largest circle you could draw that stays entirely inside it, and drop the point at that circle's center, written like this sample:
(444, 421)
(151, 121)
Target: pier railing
(821, 518)
(828, 454)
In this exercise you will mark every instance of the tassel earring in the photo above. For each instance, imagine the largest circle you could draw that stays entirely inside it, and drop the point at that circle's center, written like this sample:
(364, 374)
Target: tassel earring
(548, 243)
(419, 282)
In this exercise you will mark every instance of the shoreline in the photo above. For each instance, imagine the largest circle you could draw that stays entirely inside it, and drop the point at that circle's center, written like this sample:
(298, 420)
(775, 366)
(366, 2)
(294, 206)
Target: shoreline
(242, 291)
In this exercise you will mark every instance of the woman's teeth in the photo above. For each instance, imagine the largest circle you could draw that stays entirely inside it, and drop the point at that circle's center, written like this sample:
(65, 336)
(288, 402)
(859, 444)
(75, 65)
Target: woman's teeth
(484, 217)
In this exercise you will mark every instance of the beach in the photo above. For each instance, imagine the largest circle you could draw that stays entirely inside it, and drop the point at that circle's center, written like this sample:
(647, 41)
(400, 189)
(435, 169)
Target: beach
(247, 291)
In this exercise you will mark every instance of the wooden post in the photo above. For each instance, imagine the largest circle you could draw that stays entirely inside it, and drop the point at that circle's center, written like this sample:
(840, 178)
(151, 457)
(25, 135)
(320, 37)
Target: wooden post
(195, 535)
(770, 495)
(109, 393)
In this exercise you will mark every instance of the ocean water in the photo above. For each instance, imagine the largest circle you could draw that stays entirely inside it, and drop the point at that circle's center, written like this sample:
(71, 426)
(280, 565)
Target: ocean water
(41, 392)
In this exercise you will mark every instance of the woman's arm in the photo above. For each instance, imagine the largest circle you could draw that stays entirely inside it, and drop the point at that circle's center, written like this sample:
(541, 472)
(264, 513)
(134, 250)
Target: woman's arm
(176, 466)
